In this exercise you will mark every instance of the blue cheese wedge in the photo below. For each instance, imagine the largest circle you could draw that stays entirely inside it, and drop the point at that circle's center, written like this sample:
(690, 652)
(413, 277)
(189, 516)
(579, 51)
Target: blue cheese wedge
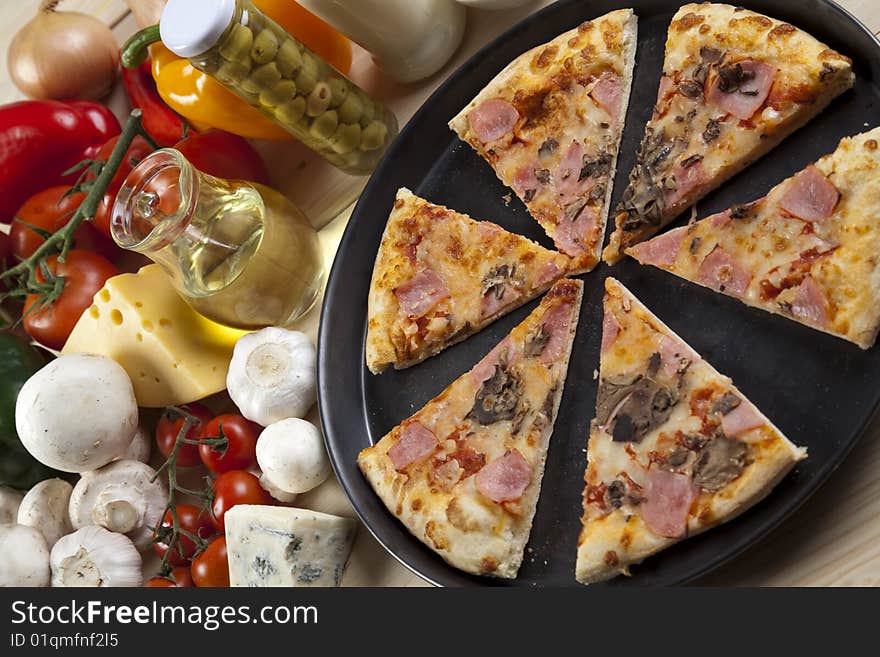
(284, 546)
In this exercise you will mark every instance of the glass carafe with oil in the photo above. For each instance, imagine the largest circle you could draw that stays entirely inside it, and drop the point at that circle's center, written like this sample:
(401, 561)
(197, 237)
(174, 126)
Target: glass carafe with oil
(238, 252)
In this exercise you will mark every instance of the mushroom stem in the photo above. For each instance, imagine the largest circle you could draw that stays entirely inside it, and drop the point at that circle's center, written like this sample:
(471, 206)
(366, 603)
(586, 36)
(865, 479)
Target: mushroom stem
(117, 515)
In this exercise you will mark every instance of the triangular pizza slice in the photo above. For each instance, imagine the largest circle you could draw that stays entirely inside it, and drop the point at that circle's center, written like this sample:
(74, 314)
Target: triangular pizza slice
(463, 474)
(441, 276)
(674, 447)
(807, 251)
(735, 83)
(550, 125)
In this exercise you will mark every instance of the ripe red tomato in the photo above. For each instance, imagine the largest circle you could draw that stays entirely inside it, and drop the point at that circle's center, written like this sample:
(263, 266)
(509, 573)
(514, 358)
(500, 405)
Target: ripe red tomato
(181, 578)
(84, 273)
(138, 150)
(169, 426)
(191, 519)
(241, 448)
(232, 488)
(224, 155)
(211, 567)
(50, 211)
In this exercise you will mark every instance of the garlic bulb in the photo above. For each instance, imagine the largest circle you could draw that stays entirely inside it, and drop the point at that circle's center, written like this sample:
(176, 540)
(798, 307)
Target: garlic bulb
(95, 557)
(45, 508)
(272, 375)
(123, 497)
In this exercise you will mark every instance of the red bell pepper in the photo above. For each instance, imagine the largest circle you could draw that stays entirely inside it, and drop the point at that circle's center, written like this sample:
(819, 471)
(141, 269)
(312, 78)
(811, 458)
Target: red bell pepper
(162, 123)
(41, 139)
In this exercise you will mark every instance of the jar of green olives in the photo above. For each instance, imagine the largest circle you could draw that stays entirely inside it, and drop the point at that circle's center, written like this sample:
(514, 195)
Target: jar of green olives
(238, 45)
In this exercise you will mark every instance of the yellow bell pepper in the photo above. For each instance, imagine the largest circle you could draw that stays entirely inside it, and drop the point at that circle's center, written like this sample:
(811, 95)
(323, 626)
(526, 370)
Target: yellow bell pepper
(205, 103)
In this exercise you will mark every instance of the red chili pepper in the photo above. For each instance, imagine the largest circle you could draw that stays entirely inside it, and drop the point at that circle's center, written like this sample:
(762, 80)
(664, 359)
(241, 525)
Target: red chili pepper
(41, 139)
(162, 123)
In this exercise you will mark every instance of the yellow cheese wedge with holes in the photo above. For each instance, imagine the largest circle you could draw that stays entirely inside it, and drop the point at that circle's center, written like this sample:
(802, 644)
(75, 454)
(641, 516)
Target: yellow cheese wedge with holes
(172, 354)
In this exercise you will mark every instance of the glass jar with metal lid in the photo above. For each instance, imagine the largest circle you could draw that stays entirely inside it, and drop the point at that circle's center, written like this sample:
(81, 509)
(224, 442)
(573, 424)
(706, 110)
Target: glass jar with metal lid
(234, 42)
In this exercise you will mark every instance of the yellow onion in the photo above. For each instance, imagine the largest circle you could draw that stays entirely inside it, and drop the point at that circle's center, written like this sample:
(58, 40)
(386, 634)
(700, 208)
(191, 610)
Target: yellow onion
(63, 54)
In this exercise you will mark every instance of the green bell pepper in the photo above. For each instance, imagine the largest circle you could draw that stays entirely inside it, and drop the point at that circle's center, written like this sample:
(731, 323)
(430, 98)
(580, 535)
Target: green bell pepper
(18, 361)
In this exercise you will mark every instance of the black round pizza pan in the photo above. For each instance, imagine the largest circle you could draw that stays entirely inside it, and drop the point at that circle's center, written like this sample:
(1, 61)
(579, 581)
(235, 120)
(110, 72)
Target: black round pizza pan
(821, 391)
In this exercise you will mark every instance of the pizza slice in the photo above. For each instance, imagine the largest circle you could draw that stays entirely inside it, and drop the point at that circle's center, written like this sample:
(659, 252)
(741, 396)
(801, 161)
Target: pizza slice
(463, 474)
(808, 250)
(735, 83)
(550, 125)
(674, 448)
(440, 277)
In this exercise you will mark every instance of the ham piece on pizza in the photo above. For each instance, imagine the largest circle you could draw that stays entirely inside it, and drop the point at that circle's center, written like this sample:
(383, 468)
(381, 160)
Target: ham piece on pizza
(735, 83)
(807, 251)
(463, 474)
(441, 276)
(550, 125)
(674, 447)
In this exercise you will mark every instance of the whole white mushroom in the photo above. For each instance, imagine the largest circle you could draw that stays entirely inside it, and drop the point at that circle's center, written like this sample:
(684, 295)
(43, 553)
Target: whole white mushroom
(45, 508)
(124, 496)
(272, 375)
(10, 499)
(141, 445)
(291, 455)
(77, 413)
(25, 557)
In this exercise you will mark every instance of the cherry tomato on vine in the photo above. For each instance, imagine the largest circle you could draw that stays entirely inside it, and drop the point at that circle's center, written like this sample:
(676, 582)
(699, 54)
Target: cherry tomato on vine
(181, 579)
(241, 443)
(84, 273)
(169, 426)
(211, 567)
(49, 211)
(191, 519)
(233, 488)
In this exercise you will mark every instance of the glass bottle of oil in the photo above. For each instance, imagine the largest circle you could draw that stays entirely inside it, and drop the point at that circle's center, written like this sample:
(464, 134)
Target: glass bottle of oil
(239, 253)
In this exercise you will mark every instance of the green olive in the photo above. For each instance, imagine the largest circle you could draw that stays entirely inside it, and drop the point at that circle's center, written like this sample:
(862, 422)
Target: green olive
(339, 91)
(288, 58)
(265, 46)
(324, 126)
(279, 94)
(346, 138)
(373, 136)
(319, 100)
(292, 111)
(351, 108)
(232, 73)
(238, 44)
(369, 112)
(305, 81)
(265, 76)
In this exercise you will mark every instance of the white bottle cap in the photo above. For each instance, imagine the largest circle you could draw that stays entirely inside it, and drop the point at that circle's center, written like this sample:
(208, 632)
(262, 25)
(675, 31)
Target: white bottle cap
(191, 27)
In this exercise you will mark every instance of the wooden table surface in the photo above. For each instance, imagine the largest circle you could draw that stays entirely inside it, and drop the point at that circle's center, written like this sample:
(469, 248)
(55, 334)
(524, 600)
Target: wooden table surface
(833, 540)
